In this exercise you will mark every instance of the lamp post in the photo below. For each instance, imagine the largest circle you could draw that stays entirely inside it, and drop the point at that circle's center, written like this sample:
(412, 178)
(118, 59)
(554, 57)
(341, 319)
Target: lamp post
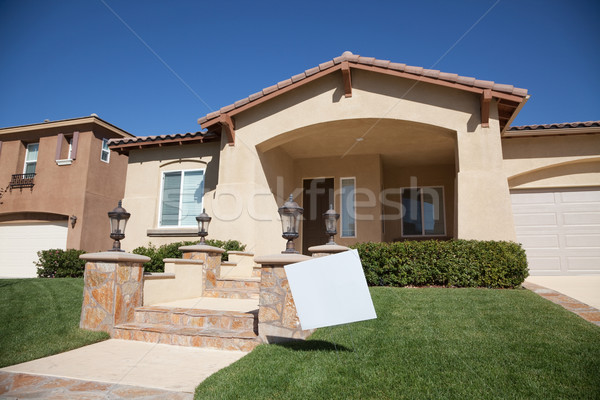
(290, 214)
(203, 222)
(118, 220)
(330, 217)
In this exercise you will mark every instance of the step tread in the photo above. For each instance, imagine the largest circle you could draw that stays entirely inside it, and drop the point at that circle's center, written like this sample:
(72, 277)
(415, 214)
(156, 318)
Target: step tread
(197, 312)
(187, 331)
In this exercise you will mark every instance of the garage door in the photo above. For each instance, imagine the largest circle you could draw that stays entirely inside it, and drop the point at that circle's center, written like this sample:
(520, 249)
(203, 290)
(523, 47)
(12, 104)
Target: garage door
(19, 244)
(559, 229)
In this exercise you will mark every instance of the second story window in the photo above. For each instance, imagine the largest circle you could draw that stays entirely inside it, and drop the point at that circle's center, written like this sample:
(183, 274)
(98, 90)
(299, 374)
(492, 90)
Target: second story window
(31, 156)
(105, 155)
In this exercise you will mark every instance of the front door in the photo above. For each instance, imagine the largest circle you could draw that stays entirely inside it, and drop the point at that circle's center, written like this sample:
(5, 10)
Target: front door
(316, 198)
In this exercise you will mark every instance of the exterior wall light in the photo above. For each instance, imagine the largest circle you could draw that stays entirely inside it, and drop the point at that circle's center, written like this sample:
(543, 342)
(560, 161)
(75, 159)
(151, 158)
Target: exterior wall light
(330, 217)
(291, 214)
(203, 222)
(118, 221)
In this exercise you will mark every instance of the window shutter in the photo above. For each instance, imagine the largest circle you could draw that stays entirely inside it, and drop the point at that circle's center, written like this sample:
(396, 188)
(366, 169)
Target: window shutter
(59, 140)
(74, 147)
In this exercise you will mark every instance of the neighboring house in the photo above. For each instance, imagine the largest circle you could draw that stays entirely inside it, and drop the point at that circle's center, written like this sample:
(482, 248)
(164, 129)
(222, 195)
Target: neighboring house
(401, 152)
(59, 179)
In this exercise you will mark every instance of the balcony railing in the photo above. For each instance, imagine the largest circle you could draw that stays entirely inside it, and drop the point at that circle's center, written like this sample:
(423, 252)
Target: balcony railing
(20, 181)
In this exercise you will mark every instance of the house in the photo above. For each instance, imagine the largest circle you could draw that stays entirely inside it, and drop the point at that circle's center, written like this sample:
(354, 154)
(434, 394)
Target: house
(58, 180)
(401, 152)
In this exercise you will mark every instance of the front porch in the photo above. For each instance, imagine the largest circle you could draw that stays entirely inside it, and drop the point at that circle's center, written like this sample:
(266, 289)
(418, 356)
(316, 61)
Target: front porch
(390, 180)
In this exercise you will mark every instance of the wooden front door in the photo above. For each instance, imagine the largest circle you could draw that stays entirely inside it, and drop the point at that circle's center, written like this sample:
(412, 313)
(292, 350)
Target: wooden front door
(316, 197)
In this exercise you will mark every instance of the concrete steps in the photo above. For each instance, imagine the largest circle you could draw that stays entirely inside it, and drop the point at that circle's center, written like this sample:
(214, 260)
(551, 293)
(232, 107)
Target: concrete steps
(225, 330)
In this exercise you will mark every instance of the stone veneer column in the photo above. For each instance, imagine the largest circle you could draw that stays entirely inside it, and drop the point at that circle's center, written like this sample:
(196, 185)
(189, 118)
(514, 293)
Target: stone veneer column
(211, 257)
(113, 288)
(277, 316)
(327, 250)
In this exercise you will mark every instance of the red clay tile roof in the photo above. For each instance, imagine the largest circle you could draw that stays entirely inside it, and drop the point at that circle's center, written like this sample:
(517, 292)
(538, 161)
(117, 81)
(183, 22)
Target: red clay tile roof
(370, 61)
(125, 144)
(564, 125)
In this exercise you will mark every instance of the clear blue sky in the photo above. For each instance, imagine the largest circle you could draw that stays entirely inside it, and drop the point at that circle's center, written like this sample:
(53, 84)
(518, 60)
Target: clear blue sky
(71, 58)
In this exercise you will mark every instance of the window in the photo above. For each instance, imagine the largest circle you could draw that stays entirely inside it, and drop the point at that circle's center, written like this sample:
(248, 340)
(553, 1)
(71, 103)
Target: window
(181, 197)
(348, 207)
(105, 154)
(423, 212)
(31, 156)
(70, 148)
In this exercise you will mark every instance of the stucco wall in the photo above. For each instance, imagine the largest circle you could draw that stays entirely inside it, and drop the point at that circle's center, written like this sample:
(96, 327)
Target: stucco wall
(142, 189)
(553, 161)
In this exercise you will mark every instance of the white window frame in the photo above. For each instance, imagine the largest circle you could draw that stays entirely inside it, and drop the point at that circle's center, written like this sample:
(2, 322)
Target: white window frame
(423, 234)
(103, 151)
(353, 178)
(160, 197)
(31, 162)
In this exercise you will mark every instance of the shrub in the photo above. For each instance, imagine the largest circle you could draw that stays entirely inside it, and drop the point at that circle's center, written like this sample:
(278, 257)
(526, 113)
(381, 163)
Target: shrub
(171, 250)
(57, 263)
(458, 263)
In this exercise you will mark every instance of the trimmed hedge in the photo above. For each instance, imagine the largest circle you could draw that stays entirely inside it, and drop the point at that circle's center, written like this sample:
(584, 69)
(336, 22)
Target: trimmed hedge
(456, 263)
(58, 263)
(171, 250)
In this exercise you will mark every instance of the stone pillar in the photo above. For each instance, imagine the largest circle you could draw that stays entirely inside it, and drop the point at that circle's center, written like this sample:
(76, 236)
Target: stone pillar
(327, 250)
(277, 316)
(211, 257)
(113, 288)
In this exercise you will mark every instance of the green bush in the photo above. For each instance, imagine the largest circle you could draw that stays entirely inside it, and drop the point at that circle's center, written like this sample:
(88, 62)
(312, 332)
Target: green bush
(57, 263)
(457, 263)
(171, 250)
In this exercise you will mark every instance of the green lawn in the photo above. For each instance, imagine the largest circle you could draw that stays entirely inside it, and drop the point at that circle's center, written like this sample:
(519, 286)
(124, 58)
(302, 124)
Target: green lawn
(40, 317)
(429, 344)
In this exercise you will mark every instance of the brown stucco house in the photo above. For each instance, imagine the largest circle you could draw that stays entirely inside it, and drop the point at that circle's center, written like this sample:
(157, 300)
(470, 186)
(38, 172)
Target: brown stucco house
(58, 180)
(401, 152)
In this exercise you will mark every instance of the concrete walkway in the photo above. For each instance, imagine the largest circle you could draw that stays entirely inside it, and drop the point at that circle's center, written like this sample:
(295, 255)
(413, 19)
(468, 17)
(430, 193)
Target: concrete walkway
(585, 289)
(116, 369)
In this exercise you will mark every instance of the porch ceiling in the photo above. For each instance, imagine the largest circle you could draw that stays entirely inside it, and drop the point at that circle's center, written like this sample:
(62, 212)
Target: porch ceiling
(399, 143)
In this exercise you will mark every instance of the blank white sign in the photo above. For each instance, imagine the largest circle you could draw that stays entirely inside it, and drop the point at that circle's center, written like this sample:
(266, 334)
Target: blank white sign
(330, 290)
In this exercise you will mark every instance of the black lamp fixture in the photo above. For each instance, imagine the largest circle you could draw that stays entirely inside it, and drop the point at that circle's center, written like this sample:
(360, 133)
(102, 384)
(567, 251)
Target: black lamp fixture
(330, 217)
(118, 220)
(203, 222)
(291, 214)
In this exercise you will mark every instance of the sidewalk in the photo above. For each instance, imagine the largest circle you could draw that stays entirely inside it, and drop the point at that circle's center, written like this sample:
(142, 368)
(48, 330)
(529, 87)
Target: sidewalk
(116, 369)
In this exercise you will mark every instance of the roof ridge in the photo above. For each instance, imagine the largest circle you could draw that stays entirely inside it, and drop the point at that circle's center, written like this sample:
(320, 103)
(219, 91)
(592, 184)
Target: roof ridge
(559, 125)
(349, 57)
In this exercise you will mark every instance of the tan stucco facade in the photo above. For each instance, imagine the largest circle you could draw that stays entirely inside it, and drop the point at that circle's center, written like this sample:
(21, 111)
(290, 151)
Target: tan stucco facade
(84, 187)
(142, 193)
(553, 161)
(429, 132)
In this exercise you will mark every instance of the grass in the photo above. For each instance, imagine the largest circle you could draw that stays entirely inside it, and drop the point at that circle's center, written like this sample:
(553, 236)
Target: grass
(40, 317)
(429, 343)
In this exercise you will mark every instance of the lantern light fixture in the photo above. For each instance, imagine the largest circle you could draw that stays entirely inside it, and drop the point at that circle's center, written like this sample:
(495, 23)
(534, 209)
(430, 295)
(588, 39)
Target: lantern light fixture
(203, 222)
(291, 214)
(330, 217)
(118, 220)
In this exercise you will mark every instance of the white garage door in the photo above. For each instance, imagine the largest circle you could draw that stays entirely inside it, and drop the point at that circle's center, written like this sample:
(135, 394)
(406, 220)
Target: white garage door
(559, 229)
(20, 242)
